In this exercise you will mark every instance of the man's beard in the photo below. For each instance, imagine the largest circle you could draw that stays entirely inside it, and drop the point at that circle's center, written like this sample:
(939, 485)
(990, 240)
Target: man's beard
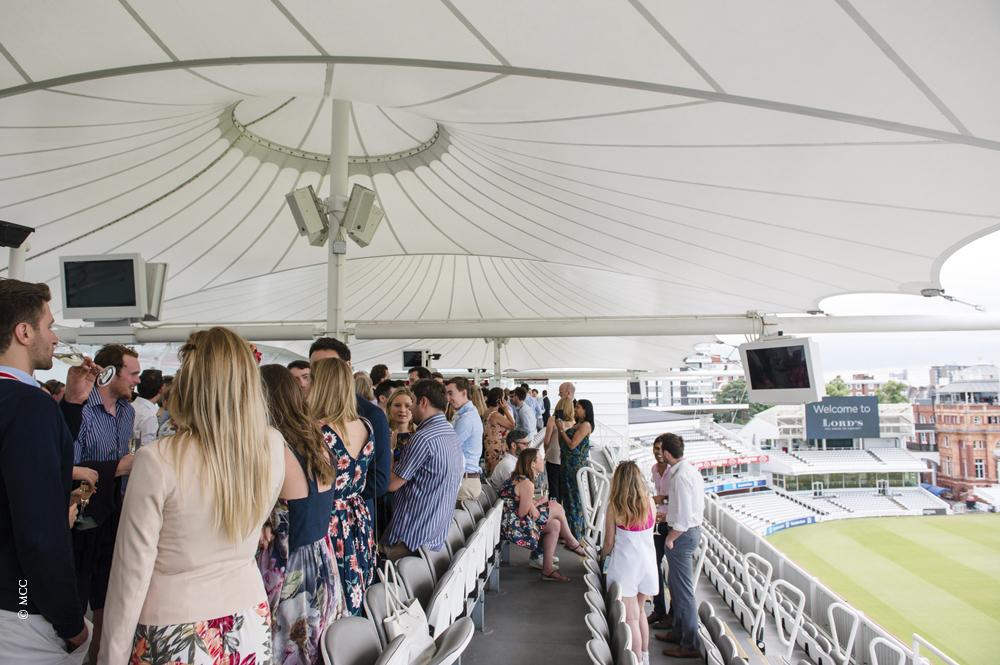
(42, 358)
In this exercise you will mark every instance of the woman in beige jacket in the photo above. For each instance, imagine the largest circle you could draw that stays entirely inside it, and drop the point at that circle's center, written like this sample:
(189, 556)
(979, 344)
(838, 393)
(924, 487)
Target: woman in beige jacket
(184, 583)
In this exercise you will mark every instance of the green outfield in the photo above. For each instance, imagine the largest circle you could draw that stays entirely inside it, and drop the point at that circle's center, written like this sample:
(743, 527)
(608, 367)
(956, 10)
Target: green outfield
(935, 576)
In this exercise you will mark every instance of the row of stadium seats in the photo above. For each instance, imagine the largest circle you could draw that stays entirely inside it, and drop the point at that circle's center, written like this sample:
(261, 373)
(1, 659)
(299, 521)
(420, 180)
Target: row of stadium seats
(451, 584)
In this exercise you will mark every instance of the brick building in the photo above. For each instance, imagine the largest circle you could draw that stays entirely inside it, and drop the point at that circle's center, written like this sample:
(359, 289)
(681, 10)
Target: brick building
(966, 430)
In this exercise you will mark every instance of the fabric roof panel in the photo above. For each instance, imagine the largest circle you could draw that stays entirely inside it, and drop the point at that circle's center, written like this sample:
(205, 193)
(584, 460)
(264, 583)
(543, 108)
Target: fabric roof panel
(609, 39)
(954, 50)
(219, 29)
(808, 53)
(51, 38)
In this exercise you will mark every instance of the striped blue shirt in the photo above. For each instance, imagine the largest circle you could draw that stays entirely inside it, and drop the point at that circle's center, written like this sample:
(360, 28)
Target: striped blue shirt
(432, 465)
(103, 437)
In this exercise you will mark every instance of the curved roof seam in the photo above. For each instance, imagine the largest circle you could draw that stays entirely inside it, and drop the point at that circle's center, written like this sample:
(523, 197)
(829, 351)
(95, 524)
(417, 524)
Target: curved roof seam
(530, 72)
(751, 190)
(901, 64)
(675, 44)
(117, 100)
(474, 31)
(783, 228)
(201, 122)
(406, 279)
(588, 116)
(637, 245)
(472, 286)
(112, 124)
(701, 230)
(371, 177)
(662, 276)
(103, 177)
(457, 93)
(489, 283)
(437, 281)
(433, 192)
(105, 141)
(420, 210)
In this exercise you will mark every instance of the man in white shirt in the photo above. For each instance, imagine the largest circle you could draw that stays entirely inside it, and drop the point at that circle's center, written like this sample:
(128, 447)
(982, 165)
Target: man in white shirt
(685, 513)
(147, 406)
(517, 440)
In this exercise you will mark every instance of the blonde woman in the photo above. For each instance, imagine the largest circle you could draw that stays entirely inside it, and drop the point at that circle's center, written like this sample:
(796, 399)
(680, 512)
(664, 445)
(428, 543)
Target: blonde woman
(184, 584)
(333, 405)
(477, 399)
(363, 386)
(399, 410)
(497, 423)
(629, 549)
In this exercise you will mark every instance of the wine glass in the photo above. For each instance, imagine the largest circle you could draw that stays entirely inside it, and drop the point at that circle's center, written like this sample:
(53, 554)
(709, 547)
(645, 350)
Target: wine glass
(72, 356)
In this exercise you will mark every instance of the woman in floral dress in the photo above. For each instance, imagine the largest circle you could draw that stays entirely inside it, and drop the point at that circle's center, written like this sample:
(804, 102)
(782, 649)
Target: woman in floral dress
(333, 404)
(496, 424)
(297, 564)
(574, 449)
(535, 524)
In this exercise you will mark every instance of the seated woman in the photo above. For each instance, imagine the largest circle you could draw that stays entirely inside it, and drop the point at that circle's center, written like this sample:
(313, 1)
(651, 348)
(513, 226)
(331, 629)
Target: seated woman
(535, 524)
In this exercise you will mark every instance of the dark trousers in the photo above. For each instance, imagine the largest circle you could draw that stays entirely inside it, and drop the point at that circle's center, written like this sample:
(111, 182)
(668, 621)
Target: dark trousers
(659, 538)
(93, 551)
(554, 472)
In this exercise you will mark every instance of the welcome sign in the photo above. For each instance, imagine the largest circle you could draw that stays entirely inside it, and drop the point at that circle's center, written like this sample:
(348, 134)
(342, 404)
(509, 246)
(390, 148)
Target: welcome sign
(843, 418)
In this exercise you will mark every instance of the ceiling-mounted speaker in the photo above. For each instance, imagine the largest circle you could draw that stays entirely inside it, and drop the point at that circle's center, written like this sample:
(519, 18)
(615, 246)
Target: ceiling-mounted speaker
(363, 216)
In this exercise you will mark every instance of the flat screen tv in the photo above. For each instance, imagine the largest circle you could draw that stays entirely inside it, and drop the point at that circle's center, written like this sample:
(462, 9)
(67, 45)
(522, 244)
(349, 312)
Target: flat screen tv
(103, 286)
(782, 370)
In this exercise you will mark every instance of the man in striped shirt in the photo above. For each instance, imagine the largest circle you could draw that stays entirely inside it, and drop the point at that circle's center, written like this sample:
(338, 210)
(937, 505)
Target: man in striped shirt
(103, 445)
(426, 478)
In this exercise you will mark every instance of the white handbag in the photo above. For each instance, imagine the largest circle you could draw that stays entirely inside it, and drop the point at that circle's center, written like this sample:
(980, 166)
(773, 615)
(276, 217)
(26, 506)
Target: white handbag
(405, 616)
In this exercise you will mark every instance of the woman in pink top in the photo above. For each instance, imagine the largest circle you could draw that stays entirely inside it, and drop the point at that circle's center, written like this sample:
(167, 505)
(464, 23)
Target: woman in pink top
(184, 583)
(628, 547)
(660, 475)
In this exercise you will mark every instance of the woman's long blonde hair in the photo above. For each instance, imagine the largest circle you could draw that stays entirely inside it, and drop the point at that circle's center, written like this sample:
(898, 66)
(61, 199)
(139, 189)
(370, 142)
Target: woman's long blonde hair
(217, 405)
(564, 410)
(331, 396)
(477, 399)
(363, 386)
(629, 495)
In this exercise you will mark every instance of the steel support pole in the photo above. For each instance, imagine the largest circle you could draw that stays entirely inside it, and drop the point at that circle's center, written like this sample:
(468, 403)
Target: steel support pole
(15, 264)
(498, 343)
(336, 269)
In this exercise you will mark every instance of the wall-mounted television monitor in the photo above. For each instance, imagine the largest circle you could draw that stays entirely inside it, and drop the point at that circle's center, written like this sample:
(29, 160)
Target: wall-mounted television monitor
(103, 286)
(782, 370)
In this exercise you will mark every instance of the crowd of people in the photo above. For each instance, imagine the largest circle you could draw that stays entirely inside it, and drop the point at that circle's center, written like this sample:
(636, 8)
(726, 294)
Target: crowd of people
(236, 510)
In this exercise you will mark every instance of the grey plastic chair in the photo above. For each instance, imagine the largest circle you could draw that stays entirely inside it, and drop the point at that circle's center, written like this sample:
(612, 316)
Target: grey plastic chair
(465, 522)
(621, 637)
(437, 561)
(614, 592)
(416, 579)
(392, 650)
(596, 602)
(715, 628)
(455, 540)
(484, 500)
(616, 614)
(599, 652)
(474, 509)
(626, 656)
(491, 493)
(351, 641)
(726, 647)
(705, 611)
(451, 644)
(376, 610)
(598, 625)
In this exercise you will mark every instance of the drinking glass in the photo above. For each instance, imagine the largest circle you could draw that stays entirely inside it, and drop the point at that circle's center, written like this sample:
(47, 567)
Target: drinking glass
(72, 356)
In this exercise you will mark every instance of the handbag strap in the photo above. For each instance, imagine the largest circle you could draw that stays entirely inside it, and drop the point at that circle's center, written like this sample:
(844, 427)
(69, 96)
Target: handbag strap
(394, 590)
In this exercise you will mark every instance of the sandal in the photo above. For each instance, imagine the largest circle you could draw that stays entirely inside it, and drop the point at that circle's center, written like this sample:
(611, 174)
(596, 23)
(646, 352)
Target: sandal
(554, 576)
(578, 550)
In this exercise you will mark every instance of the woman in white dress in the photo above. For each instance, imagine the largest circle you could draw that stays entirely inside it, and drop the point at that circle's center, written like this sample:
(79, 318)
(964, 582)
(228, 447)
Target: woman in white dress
(629, 550)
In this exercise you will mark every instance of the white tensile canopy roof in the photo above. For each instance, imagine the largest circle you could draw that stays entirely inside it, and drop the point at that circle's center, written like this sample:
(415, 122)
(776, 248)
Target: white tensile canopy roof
(534, 160)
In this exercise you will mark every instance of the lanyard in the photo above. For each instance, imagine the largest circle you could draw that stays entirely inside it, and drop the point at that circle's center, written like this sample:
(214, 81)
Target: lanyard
(5, 375)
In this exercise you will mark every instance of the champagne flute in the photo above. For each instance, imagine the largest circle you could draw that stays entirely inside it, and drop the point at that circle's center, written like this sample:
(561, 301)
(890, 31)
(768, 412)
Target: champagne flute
(72, 356)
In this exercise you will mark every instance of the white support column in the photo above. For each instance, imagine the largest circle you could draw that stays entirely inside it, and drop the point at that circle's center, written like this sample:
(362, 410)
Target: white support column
(498, 343)
(336, 271)
(15, 264)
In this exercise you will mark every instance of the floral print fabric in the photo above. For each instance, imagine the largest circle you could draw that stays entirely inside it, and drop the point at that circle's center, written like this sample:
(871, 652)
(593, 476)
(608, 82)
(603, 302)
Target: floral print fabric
(303, 590)
(243, 638)
(521, 531)
(572, 461)
(494, 443)
(350, 523)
